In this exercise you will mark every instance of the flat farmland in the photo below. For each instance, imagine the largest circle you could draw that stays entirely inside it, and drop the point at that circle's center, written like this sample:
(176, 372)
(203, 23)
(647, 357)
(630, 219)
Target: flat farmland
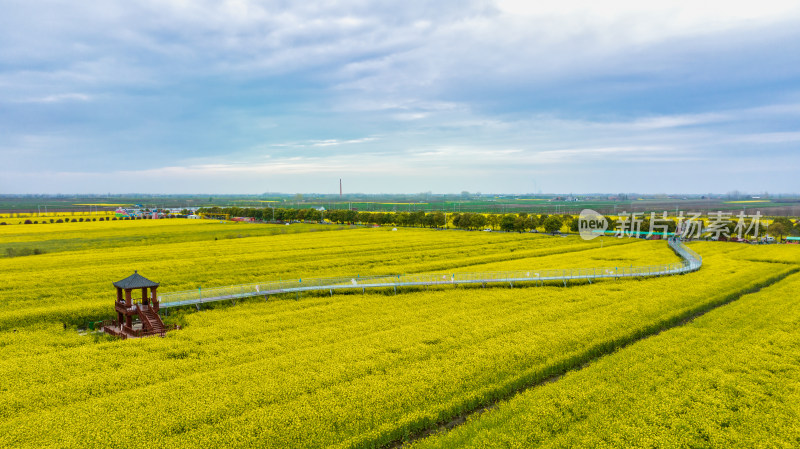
(731, 378)
(352, 369)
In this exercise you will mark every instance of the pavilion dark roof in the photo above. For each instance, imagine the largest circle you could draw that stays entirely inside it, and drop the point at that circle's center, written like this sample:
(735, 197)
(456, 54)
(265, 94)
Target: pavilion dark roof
(135, 280)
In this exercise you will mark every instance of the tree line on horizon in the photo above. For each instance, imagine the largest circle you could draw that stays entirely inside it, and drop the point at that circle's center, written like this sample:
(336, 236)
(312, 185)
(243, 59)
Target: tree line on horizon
(520, 222)
(510, 222)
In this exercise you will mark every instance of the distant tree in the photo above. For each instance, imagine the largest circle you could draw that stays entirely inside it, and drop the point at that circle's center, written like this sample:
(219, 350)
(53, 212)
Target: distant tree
(465, 222)
(438, 219)
(427, 221)
(533, 221)
(520, 223)
(552, 224)
(331, 215)
(456, 219)
(417, 218)
(478, 221)
(542, 219)
(402, 219)
(778, 228)
(508, 222)
(493, 220)
(785, 221)
(377, 217)
(573, 226)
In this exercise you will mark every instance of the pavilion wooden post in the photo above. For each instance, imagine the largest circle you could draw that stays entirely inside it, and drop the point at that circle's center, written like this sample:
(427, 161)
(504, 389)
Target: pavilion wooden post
(154, 299)
(120, 317)
(128, 304)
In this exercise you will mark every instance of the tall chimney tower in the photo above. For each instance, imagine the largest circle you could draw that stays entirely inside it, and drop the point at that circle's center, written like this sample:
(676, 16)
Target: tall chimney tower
(340, 187)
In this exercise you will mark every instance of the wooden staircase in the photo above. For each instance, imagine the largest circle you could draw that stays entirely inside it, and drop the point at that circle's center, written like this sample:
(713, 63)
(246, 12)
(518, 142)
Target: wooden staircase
(150, 320)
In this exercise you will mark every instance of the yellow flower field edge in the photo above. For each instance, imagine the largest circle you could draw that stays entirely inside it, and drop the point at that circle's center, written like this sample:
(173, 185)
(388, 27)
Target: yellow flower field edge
(727, 379)
(345, 371)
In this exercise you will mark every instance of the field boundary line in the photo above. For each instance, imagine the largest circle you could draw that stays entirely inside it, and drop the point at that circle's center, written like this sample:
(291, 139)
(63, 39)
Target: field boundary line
(584, 360)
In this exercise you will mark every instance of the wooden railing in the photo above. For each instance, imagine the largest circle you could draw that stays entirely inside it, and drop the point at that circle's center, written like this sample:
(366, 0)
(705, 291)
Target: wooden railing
(110, 327)
(121, 307)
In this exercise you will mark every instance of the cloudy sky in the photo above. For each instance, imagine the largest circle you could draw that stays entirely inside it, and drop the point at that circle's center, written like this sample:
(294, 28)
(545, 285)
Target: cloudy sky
(180, 96)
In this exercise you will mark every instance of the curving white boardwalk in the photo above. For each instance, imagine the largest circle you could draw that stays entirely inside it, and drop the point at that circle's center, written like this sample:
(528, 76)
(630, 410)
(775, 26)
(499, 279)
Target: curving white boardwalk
(691, 261)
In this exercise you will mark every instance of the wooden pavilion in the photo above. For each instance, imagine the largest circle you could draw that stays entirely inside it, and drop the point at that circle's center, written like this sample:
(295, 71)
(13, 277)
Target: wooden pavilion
(136, 317)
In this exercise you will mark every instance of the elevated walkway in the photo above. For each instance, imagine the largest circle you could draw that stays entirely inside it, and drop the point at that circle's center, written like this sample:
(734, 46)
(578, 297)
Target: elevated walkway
(691, 261)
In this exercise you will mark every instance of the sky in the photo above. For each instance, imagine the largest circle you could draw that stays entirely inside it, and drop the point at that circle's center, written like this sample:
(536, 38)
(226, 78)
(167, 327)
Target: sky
(507, 96)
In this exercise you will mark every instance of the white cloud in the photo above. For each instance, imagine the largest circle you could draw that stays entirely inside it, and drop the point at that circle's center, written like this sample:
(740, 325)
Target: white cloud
(602, 153)
(59, 98)
(676, 121)
(336, 142)
(408, 116)
(449, 87)
(649, 21)
(767, 138)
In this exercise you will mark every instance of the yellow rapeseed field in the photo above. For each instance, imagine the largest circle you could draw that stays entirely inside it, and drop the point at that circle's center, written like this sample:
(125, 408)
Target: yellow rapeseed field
(728, 379)
(348, 370)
